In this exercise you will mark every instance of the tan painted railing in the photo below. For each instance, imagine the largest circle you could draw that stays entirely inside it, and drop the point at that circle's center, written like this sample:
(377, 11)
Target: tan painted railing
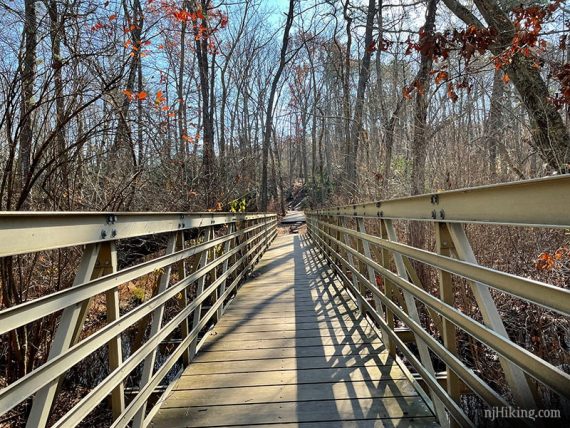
(225, 246)
(340, 234)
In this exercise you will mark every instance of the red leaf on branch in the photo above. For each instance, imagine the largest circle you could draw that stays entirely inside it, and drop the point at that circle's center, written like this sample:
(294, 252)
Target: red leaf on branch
(441, 76)
(160, 98)
(451, 92)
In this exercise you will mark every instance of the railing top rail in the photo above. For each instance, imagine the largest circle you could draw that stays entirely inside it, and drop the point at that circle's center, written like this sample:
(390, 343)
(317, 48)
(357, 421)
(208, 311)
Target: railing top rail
(27, 232)
(543, 202)
(132, 213)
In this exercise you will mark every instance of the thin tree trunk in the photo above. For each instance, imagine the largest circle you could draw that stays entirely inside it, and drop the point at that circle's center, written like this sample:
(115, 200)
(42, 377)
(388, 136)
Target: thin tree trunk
(28, 79)
(56, 27)
(389, 143)
(269, 111)
(419, 143)
(363, 76)
(346, 90)
(494, 124)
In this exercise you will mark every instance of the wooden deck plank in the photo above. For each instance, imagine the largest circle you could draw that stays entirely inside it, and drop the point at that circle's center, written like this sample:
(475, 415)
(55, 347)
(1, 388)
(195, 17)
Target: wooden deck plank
(423, 422)
(290, 363)
(311, 325)
(301, 309)
(303, 392)
(293, 350)
(291, 377)
(286, 323)
(222, 345)
(325, 351)
(277, 412)
(293, 301)
(320, 314)
(353, 331)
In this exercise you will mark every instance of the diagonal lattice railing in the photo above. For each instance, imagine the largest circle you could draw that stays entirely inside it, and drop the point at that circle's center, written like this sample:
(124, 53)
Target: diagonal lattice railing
(206, 258)
(381, 274)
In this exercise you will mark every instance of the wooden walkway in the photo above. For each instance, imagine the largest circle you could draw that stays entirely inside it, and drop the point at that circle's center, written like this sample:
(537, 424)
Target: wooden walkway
(292, 350)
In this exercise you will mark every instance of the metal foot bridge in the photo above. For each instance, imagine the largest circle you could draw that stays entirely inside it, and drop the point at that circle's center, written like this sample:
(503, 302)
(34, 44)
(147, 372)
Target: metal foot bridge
(243, 326)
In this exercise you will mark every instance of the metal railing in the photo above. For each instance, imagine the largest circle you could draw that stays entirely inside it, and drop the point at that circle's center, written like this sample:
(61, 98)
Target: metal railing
(340, 234)
(224, 248)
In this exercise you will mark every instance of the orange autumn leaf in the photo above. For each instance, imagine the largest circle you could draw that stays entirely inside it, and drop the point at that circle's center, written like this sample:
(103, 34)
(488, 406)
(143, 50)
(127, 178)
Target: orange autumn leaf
(451, 92)
(545, 261)
(506, 78)
(142, 95)
(112, 17)
(440, 77)
(159, 99)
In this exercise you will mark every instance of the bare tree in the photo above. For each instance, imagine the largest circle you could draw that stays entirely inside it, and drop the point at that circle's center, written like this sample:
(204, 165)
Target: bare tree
(269, 110)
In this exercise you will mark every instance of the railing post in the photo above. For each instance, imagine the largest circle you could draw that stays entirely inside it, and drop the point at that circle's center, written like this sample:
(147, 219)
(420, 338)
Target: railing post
(448, 329)
(515, 377)
(355, 282)
(372, 277)
(389, 288)
(157, 316)
(199, 290)
(184, 327)
(70, 323)
(412, 311)
(227, 247)
(108, 265)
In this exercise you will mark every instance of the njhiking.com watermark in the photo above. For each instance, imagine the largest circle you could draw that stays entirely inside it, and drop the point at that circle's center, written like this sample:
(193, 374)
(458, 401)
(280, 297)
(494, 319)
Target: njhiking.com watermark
(495, 413)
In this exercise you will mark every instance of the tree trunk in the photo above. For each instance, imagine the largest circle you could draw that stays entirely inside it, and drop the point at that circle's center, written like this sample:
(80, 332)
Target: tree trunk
(389, 143)
(208, 156)
(494, 125)
(28, 79)
(419, 143)
(269, 110)
(56, 27)
(346, 90)
(363, 76)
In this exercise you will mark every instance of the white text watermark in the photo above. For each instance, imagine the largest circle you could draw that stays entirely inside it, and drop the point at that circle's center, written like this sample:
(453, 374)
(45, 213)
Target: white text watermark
(514, 413)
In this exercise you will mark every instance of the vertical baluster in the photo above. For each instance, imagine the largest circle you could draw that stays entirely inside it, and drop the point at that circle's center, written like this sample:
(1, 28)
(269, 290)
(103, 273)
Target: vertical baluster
(448, 329)
(227, 247)
(412, 311)
(157, 316)
(389, 288)
(517, 380)
(199, 290)
(67, 333)
(108, 264)
(347, 240)
(372, 277)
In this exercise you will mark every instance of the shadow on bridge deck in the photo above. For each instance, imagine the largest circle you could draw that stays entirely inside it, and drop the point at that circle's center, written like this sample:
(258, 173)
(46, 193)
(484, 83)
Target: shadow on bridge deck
(293, 350)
